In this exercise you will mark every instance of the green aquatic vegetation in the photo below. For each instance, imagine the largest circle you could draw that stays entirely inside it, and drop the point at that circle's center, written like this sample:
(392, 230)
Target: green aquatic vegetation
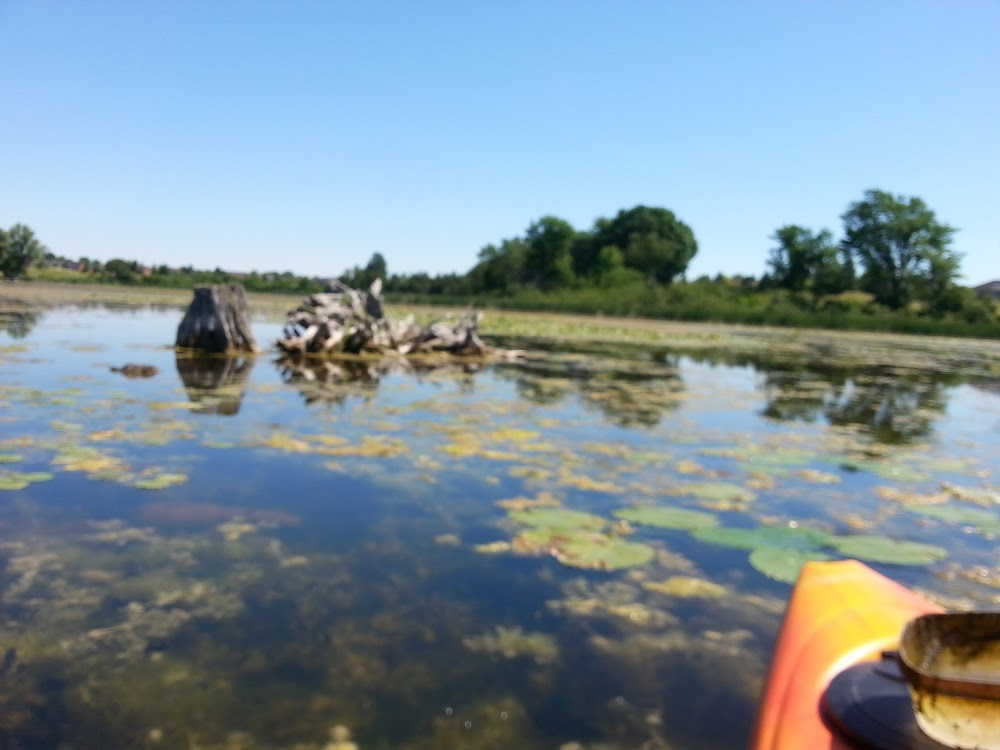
(667, 518)
(815, 476)
(12, 482)
(952, 513)
(567, 478)
(578, 547)
(557, 518)
(783, 564)
(10, 458)
(910, 497)
(60, 425)
(593, 551)
(786, 537)
(18, 480)
(92, 462)
(159, 481)
(687, 587)
(541, 500)
(514, 643)
(943, 464)
(720, 491)
(218, 444)
(883, 549)
(887, 470)
(978, 495)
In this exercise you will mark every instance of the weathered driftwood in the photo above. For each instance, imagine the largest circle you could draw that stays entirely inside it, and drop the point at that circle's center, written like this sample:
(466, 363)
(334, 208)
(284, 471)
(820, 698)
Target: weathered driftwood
(217, 321)
(349, 321)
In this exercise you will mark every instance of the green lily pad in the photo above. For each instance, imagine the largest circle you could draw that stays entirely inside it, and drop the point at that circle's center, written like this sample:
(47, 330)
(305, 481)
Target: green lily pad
(12, 482)
(786, 537)
(783, 564)
(720, 491)
(956, 514)
(10, 458)
(884, 549)
(990, 530)
(15, 480)
(667, 518)
(593, 551)
(558, 518)
(33, 477)
(160, 481)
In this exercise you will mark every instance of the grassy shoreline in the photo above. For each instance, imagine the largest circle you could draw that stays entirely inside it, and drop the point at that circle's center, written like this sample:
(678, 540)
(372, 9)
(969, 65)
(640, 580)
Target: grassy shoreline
(560, 327)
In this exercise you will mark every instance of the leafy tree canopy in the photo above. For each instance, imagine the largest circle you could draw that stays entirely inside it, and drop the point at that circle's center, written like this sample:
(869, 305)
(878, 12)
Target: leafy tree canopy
(19, 248)
(549, 257)
(804, 259)
(653, 241)
(904, 251)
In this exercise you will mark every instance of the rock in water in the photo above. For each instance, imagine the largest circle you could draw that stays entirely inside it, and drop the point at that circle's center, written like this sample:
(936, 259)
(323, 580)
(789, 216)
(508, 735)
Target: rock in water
(133, 370)
(217, 321)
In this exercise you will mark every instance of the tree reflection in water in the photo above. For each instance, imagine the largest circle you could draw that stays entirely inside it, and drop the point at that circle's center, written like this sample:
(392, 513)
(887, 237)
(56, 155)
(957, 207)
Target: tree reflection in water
(18, 323)
(892, 406)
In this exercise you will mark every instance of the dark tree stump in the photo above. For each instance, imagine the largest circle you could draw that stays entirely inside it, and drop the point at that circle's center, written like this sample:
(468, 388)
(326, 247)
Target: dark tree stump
(217, 321)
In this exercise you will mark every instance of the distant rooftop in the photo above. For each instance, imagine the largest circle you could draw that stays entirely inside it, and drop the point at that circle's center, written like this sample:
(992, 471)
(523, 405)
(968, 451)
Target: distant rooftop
(989, 289)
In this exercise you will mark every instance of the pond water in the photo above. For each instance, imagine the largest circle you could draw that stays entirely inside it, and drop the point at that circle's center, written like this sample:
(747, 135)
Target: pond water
(592, 546)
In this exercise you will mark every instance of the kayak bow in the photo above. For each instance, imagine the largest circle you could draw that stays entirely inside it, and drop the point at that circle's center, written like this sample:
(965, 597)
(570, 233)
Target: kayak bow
(840, 614)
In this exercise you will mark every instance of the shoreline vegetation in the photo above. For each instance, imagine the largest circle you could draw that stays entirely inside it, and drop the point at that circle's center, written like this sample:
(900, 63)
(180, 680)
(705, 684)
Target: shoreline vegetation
(893, 271)
(550, 328)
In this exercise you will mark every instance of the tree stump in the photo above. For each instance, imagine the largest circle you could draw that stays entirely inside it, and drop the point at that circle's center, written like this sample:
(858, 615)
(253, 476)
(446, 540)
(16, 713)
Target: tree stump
(217, 321)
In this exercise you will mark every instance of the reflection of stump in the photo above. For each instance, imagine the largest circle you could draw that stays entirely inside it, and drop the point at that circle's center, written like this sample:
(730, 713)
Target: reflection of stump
(218, 320)
(216, 384)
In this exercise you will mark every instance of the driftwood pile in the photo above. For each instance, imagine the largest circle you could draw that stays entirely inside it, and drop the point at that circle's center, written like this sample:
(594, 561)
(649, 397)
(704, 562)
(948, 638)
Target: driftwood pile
(349, 321)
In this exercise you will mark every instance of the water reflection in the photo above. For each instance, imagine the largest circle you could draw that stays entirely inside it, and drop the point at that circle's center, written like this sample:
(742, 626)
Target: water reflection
(217, 384)
(893, 407)
(333, 381)
(18, 324)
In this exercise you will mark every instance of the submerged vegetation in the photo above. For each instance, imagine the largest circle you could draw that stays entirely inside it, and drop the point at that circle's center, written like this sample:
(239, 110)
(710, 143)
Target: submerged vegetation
(590, 547)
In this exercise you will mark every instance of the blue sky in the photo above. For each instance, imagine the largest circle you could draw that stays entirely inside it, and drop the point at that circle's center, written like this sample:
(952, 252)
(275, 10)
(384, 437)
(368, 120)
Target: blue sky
(306, 136)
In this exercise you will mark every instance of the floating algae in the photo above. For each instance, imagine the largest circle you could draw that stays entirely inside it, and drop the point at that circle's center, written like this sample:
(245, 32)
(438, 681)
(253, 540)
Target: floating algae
(160, 481)
(687, 587)
(514, 643)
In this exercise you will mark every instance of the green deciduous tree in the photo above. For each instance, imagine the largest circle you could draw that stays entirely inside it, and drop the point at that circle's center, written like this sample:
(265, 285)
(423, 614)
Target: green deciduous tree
(19, 248)
(500, 269)
(804, 260)
(903, 250)
(653, 241)
(549, 259)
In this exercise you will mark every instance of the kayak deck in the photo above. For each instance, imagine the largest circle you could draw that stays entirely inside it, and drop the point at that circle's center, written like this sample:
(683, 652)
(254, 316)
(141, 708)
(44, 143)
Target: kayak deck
(840, 613)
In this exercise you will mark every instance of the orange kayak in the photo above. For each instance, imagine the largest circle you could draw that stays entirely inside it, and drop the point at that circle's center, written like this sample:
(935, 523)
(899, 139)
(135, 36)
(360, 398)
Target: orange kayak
(841, 614)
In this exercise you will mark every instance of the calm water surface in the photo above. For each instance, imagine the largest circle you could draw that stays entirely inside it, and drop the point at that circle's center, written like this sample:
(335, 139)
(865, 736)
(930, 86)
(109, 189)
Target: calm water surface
(235, 554)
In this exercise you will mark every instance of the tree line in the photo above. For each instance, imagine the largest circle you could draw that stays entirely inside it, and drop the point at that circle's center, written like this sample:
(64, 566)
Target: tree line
(894, 266)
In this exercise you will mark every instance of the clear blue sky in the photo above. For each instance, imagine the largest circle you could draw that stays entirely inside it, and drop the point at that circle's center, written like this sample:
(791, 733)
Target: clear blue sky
(305, 136)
